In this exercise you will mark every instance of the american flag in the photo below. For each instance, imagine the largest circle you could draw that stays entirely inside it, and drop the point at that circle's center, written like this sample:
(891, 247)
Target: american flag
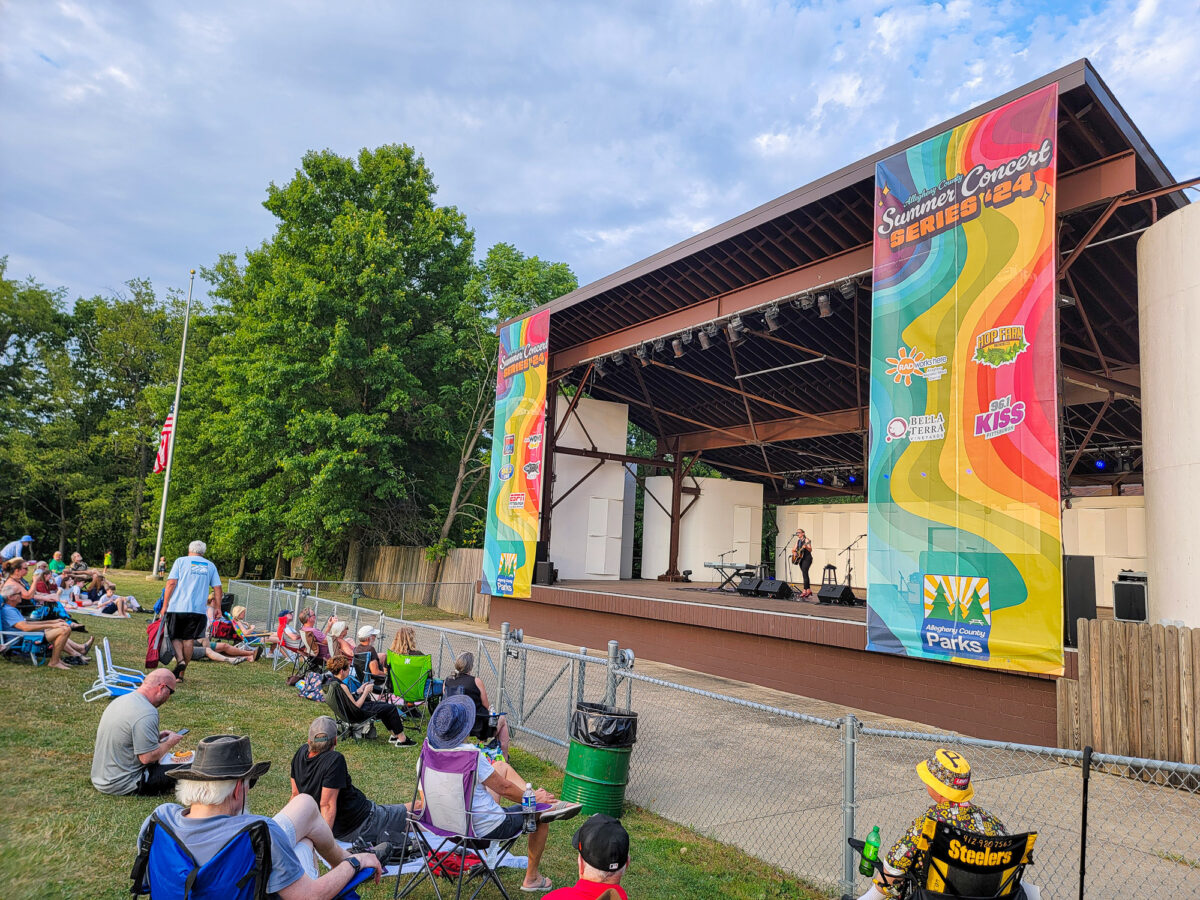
(164, 444)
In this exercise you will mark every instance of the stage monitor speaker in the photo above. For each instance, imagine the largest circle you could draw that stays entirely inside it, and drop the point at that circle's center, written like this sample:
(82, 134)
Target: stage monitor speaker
(837, 593)
(776, 590)
(1130, 600)
(1079, 595)
(748, 586)
(544, 573)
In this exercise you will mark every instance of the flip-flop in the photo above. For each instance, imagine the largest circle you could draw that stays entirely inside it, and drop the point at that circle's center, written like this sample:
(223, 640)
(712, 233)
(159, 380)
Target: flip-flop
(540, 888)
(560, 810)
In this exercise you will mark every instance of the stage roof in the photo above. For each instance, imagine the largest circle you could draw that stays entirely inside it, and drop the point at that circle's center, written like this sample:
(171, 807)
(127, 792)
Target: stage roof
(812, 418)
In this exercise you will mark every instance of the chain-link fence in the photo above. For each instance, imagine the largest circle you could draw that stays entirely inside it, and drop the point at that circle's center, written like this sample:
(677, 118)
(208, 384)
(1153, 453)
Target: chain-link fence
(789, 788)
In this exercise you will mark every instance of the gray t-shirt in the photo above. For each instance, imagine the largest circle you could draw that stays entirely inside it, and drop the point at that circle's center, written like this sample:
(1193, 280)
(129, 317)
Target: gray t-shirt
(204, 837)
(128, 727)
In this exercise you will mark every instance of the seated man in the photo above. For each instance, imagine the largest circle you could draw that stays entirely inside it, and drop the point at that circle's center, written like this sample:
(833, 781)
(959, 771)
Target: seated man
(129, 743)
(947, 777)
(212, 809)
(449, 727)
(57, 633)
(319, 771)
(365, 650)
(603, 845)
(213, 651)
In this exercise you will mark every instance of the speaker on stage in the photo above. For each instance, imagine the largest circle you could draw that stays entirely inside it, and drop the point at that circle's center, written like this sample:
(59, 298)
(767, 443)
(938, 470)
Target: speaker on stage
(776, 590)
(1079, 595)
(1130, 600)
(837, 593)
(748, 586)
(544, 572)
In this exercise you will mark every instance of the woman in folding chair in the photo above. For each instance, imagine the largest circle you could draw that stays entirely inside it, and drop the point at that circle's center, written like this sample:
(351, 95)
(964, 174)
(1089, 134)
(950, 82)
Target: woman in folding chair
(449, 727)
(339, 668)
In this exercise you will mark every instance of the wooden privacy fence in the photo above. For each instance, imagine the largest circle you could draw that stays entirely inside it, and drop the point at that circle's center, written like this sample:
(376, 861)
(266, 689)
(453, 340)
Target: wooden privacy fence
(395, 567)
(1138, 692)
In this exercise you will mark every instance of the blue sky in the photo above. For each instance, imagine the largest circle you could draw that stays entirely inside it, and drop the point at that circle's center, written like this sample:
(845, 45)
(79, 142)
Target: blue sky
(138, 137)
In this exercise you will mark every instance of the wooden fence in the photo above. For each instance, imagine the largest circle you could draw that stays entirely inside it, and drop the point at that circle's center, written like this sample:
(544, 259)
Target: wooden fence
(1138, 692)
(394, 566)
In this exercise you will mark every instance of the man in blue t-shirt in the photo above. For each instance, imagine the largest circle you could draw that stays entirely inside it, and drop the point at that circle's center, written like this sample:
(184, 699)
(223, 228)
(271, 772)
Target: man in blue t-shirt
(185, 601)
(212, 791)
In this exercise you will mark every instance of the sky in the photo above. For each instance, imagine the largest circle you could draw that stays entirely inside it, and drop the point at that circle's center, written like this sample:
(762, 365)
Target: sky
(138, 138)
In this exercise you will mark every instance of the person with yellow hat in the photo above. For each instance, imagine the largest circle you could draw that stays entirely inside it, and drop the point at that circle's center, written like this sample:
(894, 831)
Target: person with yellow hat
(947, 777)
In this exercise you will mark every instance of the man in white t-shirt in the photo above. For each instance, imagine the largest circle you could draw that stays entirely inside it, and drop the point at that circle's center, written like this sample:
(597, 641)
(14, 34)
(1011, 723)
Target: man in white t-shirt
(185, 603)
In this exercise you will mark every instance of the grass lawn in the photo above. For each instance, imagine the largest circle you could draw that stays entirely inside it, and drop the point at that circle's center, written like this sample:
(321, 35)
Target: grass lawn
(61, 838)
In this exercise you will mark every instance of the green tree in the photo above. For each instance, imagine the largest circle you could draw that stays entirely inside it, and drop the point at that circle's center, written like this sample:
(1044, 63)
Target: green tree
(941, 606)
(975, 614)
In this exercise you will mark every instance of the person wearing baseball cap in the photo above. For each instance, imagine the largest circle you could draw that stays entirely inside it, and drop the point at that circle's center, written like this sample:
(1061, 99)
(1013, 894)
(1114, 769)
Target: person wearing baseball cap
(947, 778)
(603, 845)
(366, 649)
(212, 792)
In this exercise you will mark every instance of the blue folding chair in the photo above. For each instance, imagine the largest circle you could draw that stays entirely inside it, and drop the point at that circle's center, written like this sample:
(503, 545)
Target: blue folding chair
(16, 645)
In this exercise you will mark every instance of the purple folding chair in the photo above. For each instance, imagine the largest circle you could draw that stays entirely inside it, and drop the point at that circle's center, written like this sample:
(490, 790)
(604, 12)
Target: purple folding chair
(445, 824)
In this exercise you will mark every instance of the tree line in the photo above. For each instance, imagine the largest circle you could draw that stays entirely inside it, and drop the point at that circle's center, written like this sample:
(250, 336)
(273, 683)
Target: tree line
(339, 383)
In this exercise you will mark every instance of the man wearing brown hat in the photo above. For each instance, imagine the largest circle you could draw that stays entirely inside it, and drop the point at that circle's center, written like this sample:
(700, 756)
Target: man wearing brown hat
(212, 808)
(603, 845)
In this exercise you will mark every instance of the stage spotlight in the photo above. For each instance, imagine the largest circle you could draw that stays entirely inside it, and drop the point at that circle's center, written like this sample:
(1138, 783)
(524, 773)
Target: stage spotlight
(680, 342)
(836, 481)
(853, 479)
(660, 346)
(771, 317)
(1101, 464)
(1065, 301)
(618, 359)
(643, 354)
(736, 331)
(599, 367)
(849, 288)
(823, 305)
(708, 334)
(800, 482)
(820, 479)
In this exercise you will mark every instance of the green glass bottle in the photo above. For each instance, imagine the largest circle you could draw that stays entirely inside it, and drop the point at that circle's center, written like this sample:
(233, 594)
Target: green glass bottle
(866, 865)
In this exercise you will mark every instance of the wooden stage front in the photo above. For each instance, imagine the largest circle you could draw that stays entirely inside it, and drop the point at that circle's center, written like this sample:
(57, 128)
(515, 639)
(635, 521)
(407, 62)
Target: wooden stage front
(802, 647)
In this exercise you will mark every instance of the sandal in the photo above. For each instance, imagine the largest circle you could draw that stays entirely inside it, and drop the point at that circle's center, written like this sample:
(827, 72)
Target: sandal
(560, 809)
(540, 888)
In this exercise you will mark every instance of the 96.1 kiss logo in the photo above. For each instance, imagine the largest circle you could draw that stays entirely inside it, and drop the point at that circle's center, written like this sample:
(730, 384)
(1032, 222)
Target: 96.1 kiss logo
(1002, 417)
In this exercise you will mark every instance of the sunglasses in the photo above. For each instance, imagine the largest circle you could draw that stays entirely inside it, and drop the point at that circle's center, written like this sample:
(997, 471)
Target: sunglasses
(170, 690)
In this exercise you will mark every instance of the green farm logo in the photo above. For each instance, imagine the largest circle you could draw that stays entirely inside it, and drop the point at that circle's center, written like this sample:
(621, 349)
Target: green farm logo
(998, 347)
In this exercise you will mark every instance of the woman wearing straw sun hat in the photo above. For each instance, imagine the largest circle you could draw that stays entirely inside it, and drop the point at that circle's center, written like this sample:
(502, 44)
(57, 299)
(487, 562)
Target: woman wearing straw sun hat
(947, 778)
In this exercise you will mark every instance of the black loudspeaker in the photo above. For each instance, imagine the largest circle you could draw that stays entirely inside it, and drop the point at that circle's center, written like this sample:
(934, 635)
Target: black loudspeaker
(837, 593)
(544, 573)
(776, 590)
(1130, 601)
(1079, 595)
(748, 586)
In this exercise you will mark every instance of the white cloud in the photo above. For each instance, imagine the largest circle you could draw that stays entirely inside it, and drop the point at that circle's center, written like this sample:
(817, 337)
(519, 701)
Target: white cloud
(139, 138)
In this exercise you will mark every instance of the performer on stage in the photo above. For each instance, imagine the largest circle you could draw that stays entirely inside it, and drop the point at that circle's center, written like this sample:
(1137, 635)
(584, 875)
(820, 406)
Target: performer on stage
(802, 556)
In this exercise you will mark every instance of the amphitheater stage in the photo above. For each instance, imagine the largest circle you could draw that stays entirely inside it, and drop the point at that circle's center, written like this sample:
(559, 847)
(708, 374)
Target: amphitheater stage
(806, 648)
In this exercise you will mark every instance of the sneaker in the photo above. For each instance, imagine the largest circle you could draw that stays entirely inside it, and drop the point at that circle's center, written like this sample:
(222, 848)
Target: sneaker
(560, 810)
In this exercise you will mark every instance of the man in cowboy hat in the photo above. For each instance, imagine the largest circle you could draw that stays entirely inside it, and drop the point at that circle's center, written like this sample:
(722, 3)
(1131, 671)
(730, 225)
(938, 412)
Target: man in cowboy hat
(212, 808)
(947, 777)
(449, 727)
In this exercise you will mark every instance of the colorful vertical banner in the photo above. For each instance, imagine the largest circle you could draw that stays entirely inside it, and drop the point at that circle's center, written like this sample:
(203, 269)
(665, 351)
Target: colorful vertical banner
(965, 548)
(515, 490)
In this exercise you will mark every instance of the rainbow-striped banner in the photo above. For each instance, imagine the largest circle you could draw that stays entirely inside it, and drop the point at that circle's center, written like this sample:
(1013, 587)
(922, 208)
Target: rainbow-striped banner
(515, 490)
(965, 546)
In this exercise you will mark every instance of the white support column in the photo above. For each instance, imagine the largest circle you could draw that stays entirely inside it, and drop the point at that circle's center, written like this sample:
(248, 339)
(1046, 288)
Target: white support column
(1169, 322)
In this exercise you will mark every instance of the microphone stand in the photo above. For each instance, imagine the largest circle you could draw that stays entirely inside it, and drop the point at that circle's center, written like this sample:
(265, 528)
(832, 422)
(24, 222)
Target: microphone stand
(850, 558)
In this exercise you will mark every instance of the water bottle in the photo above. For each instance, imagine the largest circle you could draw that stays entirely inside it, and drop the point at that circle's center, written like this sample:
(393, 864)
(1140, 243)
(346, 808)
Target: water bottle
(492, 719)
(529, 809)
(870, 853)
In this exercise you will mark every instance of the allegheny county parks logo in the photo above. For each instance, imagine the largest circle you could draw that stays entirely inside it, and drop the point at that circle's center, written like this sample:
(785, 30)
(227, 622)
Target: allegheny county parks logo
(998, 347)
(958, 616)
(1002, 417)
(917, 428)
(506, 573)
(506, 471)
(908, 364)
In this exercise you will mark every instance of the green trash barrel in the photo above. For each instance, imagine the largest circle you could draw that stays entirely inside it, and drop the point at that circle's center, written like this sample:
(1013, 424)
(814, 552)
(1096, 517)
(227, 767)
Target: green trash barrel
(602, 739)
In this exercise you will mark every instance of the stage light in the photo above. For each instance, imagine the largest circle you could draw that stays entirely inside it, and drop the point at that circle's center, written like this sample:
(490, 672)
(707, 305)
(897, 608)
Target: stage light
(680, 342)
(707, 334)
(836, 481)
(1101, 464)
(800, 482)
(820, 480)
(1065, 301)
(823, 305)
(804, 301)
(643, 354)
(660, 346)
(736, 331)
(599, 367)
(853, 479)
(618, 359)
(849, 288)
(771, 317)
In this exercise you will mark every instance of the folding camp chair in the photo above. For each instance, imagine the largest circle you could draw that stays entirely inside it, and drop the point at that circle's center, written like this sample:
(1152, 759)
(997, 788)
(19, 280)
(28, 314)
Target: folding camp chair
(106, 685)
(18, 645)
(359, 666)
(351, 721)
(951, 862)
(165, 869)
(115, 672)
(445, 826)
(412, 681)
(288, 652)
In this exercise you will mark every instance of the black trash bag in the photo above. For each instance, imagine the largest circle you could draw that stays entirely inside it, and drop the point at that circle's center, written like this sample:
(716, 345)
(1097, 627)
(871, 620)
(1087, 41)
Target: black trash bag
(598, 725)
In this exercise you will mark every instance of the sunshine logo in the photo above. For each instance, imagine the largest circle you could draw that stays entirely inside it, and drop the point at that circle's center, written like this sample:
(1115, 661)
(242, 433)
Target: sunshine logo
(905, 367)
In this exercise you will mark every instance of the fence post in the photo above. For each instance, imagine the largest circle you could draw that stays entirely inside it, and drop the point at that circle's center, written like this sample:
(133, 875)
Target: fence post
(571, 697)
(579, 694)
(850, 738)
(524, 657)
(1083, 826)
(504, 626)
(610, 688)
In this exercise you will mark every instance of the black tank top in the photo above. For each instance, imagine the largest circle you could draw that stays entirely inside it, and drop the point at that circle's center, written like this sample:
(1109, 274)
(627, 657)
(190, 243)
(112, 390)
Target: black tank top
(465, 684)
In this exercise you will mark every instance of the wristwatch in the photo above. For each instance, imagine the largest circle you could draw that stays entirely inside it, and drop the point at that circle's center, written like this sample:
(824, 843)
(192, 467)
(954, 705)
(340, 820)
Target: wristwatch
(354, 863)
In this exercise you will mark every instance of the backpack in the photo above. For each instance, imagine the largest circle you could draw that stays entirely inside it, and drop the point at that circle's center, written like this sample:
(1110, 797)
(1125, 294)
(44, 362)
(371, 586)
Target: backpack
(223, 630)
(238, 871)
(311, 686)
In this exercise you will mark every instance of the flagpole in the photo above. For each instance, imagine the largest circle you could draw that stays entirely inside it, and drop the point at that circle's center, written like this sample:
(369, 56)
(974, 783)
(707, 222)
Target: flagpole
(162, 513)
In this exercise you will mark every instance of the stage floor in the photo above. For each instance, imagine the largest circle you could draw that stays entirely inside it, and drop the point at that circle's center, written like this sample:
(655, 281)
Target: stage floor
(704, 594)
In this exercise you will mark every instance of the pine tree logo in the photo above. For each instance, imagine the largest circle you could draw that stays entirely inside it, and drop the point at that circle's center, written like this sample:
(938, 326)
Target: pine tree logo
(974, 613)
(941, 603)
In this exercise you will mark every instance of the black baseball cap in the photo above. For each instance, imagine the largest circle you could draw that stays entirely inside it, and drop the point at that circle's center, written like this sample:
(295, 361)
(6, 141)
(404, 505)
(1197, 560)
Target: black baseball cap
(603, 843)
